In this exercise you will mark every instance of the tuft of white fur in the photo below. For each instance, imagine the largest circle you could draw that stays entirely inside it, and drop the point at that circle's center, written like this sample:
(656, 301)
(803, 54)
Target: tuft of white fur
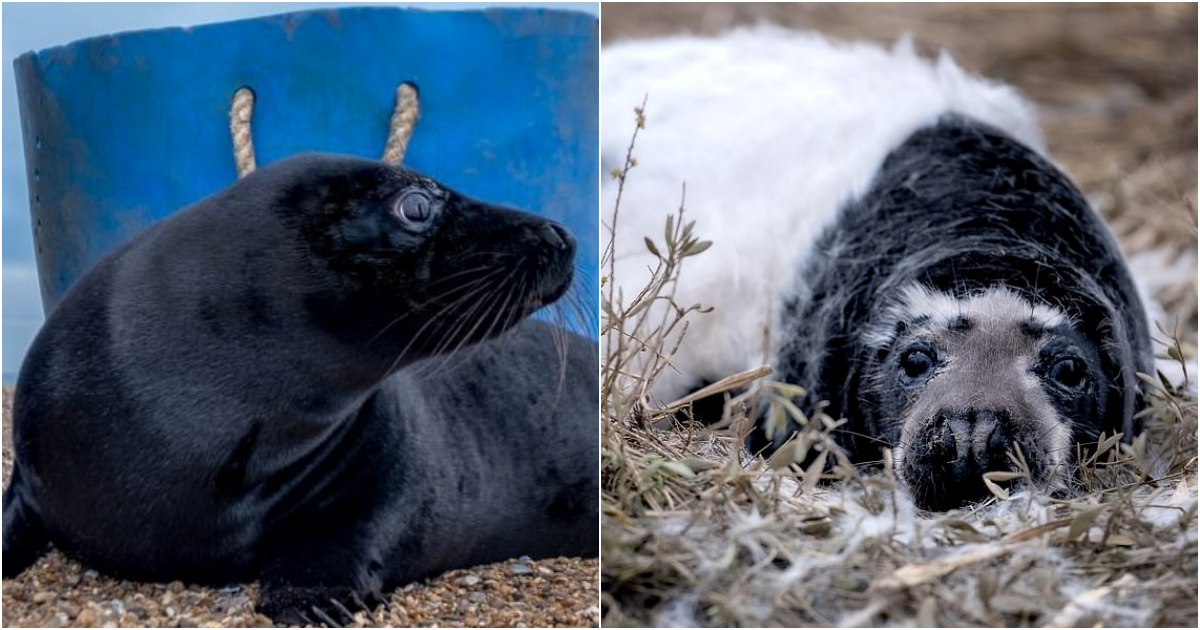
(772, 131)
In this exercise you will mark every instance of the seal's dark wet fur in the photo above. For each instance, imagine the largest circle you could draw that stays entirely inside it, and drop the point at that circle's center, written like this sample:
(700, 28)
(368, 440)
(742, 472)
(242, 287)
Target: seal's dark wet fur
(960, 208)
(258, 387)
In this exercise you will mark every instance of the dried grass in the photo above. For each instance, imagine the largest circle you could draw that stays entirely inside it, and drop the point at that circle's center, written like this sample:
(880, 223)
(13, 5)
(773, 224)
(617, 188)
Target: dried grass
(695, 533)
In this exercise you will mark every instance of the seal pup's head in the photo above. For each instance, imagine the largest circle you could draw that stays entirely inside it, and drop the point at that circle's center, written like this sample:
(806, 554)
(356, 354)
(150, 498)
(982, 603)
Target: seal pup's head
(980, 307)
(408, 266)
(966, 381)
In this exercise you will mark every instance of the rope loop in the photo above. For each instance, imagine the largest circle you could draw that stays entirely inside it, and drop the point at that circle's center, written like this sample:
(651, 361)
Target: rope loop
(404, 120)
(239, 129)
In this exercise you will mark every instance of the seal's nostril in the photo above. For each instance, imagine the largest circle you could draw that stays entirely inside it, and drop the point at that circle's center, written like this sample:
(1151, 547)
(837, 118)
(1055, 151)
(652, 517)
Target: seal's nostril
(557, 236)
(997, 447)
(946, 441)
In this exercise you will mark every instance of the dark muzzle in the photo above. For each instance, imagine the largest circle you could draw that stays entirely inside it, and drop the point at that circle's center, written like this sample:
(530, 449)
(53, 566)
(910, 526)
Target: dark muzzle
(945, 463)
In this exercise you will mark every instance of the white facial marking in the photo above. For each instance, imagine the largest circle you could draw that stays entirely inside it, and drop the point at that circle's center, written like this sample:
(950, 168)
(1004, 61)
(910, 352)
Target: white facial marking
(994, 307)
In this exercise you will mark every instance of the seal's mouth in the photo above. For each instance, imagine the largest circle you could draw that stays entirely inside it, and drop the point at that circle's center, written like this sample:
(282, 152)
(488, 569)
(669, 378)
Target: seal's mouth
(944, 463)
(492, 270)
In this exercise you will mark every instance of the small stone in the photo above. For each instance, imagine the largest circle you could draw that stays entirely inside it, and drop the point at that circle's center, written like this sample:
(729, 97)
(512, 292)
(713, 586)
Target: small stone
(188, 622)
(520, 569)
(86, 618)
(71, 609)
(476, 597)
(41, 597)
(176, 587)
(59, 620)
(545, 570)
(469, 579)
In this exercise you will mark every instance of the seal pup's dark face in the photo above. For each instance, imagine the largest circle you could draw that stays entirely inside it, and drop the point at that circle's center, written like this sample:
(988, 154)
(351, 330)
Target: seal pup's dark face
(963, 382)
(412, 268)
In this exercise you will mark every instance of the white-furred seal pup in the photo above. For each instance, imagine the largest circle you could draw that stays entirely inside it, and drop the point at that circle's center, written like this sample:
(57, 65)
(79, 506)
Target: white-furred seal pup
(887, 234)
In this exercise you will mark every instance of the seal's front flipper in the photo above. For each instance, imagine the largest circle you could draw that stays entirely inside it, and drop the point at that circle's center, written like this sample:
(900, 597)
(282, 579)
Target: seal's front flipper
(310, 605)
(312, 577)
(25, 539)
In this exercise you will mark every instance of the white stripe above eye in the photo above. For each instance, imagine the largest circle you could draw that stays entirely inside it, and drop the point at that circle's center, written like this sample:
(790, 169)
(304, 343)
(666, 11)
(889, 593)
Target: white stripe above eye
(994, 306)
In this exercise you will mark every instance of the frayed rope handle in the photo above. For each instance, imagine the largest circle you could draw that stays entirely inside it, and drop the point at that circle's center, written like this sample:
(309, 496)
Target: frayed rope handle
(404, 119)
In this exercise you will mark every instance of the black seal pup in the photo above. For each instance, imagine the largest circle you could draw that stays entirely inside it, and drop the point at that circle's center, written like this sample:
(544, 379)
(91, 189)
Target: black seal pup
(275, 383)
(887, 235)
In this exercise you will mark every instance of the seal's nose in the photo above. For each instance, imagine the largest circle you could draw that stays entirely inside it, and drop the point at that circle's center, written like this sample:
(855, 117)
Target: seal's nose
(947, 461)
(975, 441)
(557, 236)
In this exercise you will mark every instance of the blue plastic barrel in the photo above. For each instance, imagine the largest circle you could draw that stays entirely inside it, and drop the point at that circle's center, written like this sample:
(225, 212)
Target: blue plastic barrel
(122, 130)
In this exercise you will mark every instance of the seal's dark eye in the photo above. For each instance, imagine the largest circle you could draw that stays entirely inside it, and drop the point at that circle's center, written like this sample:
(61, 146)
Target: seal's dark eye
(917, 365)
(1069, 373)
(415, 207)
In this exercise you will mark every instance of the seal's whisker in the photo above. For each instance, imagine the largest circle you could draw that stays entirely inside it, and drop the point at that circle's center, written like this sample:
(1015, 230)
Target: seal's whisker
(448, 278)
(474, 287)
(459, 342)
(485, 253)
(416, 310)
(437, 356)
(583, 285)
(483, 274)
(505, 307)
(460, 336)
(413, 313)
(433, 319)
(478, 298)
(561, 311)
(483, 306)
(575, 305)
(559, 316)
(561, 349)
